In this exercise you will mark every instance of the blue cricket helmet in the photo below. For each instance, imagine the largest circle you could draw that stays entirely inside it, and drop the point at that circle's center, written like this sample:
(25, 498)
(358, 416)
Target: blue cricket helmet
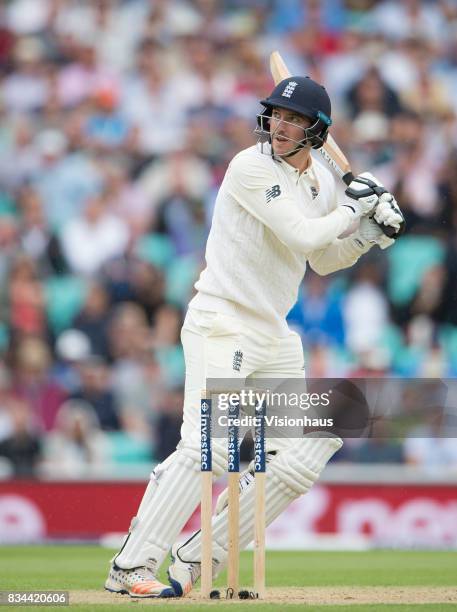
(306, 97)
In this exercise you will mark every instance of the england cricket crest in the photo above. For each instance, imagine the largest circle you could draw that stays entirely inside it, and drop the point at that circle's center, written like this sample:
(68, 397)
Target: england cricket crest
(289, 89)
(237, 360)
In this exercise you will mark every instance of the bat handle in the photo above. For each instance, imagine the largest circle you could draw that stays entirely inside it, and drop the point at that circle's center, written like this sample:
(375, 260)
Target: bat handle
(348, 178)
(390, 231)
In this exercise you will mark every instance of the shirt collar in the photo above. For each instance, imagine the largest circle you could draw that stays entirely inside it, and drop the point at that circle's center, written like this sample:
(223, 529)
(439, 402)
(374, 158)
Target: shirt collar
(308, 173)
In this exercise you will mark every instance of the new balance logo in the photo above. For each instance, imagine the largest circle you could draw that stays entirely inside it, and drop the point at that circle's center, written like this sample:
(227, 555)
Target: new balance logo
(273, 192)
(289, 89)
(237, 360)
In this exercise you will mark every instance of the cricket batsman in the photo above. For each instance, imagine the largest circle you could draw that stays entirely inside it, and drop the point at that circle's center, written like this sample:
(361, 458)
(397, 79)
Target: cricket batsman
(276, 212)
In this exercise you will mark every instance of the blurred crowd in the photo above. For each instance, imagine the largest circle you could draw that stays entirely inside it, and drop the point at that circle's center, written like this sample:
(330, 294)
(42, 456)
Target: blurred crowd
(118, 120)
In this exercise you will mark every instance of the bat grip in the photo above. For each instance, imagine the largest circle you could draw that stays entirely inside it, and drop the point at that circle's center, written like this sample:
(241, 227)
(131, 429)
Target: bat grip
(390, 231)
(348, 178)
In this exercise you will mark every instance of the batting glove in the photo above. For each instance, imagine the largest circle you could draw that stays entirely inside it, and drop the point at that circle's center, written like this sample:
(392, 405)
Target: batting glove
(388, 213)
(370, 231)
(364, 192)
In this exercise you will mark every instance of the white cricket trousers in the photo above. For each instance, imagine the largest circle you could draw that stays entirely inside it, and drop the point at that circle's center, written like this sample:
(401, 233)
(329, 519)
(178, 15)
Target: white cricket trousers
(214, 343)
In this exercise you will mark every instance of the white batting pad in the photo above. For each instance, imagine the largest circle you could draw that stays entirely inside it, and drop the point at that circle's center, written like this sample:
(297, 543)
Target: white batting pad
(290, 474)
(171, 496)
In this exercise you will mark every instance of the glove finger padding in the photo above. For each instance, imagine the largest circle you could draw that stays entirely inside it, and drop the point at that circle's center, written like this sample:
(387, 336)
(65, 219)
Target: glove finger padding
(370, 231)
(388, 213)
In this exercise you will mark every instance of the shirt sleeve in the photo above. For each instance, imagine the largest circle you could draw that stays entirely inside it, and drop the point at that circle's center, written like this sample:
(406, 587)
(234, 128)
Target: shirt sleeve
(340, 254)
(258, 190)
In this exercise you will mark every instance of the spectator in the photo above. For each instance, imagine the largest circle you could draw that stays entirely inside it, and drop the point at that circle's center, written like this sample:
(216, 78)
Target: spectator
(318, 312)
(24, 90)
(94, 319)
(413, 172)
(32, 382)
(19, 157)
(129, 279)
(152, 105)
(106, 130)
(430, 445)
(95, 391)
(6, 426)
(372, 94)
(37, 240)
(72, 347)
(8, 253)
(84, 76)
(176, 176)
(22, 447)
(129, 199)
(27, 312)
(76, 447)
(103, 235)
(165, 338)
(65, 180)
(139, 385)
(128, 331)
(365, 310)
(168, 424)
(428, 95)
(27, 16)
(409, 18)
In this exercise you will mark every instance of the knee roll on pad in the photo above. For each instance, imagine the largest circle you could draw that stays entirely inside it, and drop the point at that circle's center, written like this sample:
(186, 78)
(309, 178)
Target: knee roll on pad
(299, 466)
(192, 451)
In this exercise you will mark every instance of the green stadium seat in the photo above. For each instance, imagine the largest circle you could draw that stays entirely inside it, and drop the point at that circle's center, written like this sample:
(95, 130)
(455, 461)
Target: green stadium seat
(128, 449)
(156, 249)
(171, 361)
(448, 341)
(65, 296)
(409, 259)
(180, 278)
(4, 337)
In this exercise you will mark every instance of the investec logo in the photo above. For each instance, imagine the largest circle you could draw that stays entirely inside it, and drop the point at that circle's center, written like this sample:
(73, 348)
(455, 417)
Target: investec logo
(259, 442)
(289, 89)
(233, 459)
(258, 455)
(205, 437)
(232, 449)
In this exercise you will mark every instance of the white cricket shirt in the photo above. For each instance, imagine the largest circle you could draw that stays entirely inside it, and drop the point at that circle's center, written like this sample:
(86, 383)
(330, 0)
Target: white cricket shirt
(268, 221)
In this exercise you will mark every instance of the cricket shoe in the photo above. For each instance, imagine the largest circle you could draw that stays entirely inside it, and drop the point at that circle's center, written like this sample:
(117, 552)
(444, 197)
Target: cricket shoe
(136, 582)
(182, 575)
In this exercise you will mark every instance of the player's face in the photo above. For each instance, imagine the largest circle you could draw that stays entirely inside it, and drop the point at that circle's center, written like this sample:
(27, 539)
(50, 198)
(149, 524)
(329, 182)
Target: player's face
(286, 126)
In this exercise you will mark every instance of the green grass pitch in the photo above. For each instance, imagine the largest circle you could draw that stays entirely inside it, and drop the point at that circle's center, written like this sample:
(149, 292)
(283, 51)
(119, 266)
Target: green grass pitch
(84, 568)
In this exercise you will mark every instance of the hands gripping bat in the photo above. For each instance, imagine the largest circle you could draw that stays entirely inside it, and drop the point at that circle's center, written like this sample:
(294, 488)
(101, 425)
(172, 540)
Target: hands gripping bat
(330, 151)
